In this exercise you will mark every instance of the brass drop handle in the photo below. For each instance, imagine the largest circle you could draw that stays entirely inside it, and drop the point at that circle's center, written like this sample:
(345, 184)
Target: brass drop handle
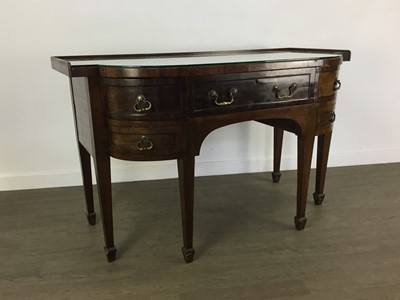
(292, 88)
(332, 117)
(337, 85)
(142, 104)
(213, 95)
(144, 143)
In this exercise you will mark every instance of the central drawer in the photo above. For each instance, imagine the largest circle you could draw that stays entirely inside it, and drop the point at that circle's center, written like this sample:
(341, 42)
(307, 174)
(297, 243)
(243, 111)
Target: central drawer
(251, 90)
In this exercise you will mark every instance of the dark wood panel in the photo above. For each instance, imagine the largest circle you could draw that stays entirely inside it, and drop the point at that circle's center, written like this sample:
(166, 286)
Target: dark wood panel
(81, 99)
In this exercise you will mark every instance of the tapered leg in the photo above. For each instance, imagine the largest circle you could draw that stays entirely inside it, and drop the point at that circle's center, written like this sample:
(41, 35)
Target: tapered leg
(186, 186)
(103, 177)
(324, 142)
(304, 154)
(87, 184)
(278, 139)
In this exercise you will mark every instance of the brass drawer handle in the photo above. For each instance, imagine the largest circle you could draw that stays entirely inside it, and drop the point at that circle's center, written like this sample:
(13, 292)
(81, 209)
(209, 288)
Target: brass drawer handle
(213, 95)
(141, 104)
(337, 85)
(144, 144)
(292, 88)
(332, 117)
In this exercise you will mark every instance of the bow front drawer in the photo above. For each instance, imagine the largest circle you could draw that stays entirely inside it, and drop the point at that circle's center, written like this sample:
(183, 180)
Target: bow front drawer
(142, 98)
(139, 141)
(252, 90)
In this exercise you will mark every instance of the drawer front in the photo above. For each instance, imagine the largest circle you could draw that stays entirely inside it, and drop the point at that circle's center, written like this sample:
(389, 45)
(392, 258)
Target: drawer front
(326, 117)
(135, 99)
(329, 84)
(137, 143)
(252, 90)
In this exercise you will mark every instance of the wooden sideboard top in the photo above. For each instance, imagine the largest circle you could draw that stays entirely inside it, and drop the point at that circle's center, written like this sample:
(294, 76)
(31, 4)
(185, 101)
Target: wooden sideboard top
(195, 63)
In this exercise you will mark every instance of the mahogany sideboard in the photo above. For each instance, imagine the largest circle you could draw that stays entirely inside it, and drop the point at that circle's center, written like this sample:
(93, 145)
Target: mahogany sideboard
(146, 107)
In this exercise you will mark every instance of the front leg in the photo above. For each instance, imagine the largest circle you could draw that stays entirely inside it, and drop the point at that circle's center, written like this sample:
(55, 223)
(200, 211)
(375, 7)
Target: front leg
(278, 140)
(87, 183)
(186, 186)
(324, 142)
(304, 154)
(103, 177)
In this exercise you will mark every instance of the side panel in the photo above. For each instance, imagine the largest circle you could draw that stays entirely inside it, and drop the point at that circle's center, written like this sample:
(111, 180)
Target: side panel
(83, 117)
(326, 98)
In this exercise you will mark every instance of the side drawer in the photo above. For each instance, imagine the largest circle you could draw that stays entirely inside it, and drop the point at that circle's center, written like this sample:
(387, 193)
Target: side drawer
(136, 141)
(249, 91)
(326, 116)
(142, 98)
(328, 84)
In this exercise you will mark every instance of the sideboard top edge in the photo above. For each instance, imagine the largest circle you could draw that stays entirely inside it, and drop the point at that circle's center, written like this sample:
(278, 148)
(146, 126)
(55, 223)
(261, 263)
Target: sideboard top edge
(79, 65)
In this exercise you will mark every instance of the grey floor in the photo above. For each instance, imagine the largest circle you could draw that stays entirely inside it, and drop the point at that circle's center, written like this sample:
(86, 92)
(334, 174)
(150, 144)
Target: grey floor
(246, 244)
